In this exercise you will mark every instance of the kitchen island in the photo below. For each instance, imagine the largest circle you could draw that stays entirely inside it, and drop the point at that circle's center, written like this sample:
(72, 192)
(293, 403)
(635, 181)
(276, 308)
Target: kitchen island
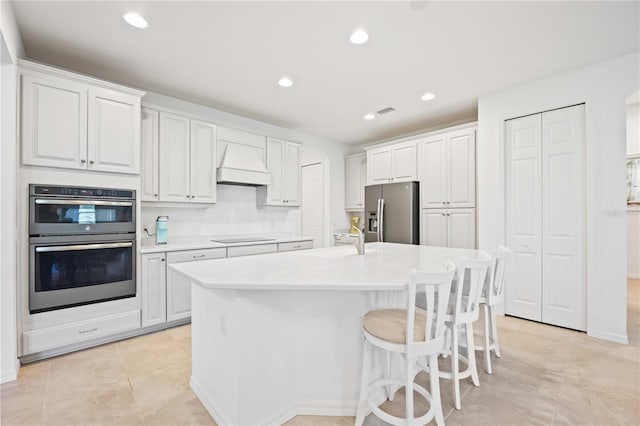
(275, 336)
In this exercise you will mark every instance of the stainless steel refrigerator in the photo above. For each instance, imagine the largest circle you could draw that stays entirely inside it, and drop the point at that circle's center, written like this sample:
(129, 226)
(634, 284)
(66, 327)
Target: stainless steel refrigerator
(392, 213)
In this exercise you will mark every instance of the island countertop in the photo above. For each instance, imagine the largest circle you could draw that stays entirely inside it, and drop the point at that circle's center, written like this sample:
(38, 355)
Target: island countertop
(384, 266)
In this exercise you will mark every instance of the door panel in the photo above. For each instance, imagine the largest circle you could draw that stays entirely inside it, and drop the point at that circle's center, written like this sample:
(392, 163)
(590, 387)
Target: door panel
(433, 168)
(292, 174)
(150, 158)
(434, 228)
(153, 286)
(400, 221)
(313, 203)
(203, 162)
(523, 215)
(379, 166)
(404, 162)
(372, 194)
(174, 157)
(563, 222)
(462, 169)
(461, 228)
(275, 164)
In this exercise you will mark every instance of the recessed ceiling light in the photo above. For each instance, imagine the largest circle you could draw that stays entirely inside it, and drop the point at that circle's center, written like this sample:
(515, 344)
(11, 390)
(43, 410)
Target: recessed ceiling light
(428, 96)
(285, 82)
(359, 37)
(369, 116)
(135, 20)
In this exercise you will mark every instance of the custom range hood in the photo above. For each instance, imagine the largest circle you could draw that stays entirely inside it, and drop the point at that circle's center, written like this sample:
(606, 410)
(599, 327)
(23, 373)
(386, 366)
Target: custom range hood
(242, 165)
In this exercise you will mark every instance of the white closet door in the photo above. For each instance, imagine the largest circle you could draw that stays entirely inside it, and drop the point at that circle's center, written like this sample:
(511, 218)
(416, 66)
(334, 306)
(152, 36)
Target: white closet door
(563, 218)
(523, 215)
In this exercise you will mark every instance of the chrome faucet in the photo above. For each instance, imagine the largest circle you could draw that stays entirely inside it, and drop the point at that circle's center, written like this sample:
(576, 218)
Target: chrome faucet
(359, 242)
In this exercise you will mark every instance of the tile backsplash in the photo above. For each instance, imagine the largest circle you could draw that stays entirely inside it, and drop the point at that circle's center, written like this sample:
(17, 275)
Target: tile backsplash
(235, 212)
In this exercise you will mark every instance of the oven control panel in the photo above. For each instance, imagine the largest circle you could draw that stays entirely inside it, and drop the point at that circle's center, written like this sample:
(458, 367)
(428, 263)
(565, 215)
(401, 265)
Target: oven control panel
(75, 191)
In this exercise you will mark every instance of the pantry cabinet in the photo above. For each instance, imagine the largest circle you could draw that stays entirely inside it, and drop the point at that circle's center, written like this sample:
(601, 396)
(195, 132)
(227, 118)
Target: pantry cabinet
(455, 228)
(447, 169)
(392, 163)
(187, 158)
(283, 162)
(355, 178)
(70, 121)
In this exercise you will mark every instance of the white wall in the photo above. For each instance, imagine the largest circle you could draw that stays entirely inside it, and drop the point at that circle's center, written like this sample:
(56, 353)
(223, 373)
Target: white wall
(603, 87)
(332, 152)
(11, 48)
(633, 129)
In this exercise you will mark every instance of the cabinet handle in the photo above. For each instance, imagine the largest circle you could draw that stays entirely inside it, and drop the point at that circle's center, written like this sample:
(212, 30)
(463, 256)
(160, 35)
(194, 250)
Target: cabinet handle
(187, 196)
(297, 246)
(162, 260)
(443, 214)
(90, 161)
(198, 256)
(155, 195)
(83, 161)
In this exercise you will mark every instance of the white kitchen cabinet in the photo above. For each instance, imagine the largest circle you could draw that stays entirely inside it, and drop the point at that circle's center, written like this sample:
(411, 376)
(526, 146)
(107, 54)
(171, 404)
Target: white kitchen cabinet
(633, 242)
(355, 174)
(283, 162)
(149, 166)
(178, 286)
(69, 123)
(295, 246)
(153, 289)
(392, 163)
(187, 151)
(447, 169)
(455, 228)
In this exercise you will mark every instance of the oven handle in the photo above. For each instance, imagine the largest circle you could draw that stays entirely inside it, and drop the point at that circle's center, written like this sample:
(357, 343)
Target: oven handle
(84, 202)
(82, 247)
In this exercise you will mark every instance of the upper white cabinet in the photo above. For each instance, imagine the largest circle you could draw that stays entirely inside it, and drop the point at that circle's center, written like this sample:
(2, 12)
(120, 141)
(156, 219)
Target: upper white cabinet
(283, 162)
(71, 121)
(355, 174)
(149, 168)
(187, 154)
(392, 163)
(447, 169)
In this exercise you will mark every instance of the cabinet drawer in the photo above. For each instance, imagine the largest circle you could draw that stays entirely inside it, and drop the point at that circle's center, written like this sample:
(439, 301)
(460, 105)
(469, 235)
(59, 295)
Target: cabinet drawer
(249, 250)
(62, 335)
(296, 245)
(191, 255)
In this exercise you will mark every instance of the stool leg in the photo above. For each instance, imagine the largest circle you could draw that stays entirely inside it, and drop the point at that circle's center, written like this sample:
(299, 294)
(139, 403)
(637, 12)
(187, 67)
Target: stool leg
(472, 354)
(494, 330)
(390, 393)
(487, 332)
(364, 384)
(455, 379)
(409, 388)
(436, 401)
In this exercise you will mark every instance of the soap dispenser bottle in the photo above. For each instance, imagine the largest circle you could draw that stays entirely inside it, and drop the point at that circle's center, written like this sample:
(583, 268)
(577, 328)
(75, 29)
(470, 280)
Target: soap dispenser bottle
(162, 230)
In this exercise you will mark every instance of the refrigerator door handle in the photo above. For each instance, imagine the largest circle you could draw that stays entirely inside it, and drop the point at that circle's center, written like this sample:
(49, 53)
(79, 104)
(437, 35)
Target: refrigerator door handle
(378, 221)
(381, 223)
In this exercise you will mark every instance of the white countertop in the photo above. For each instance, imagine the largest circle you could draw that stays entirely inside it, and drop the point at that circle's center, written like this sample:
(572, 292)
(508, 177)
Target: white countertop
(204, 242)
(384, 266)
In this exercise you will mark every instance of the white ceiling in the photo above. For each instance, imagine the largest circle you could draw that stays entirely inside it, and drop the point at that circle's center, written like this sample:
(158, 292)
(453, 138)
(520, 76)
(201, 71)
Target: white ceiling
(230, 55)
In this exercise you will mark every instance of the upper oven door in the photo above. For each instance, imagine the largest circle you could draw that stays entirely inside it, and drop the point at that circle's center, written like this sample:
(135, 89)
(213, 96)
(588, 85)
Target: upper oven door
(68, 216)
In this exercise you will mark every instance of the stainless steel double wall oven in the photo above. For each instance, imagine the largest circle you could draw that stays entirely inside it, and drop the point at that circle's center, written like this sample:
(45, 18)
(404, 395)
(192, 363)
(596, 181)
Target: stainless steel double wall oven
(82, 246)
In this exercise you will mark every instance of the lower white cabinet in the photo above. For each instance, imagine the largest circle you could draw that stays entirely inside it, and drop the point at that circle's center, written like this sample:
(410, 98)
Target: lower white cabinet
(455, 228)
(153, 289)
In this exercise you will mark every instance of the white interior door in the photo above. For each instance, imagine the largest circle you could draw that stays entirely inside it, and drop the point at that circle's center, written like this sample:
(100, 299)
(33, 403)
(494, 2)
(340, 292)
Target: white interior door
(523, 214)
(313, 203)
(563, 218)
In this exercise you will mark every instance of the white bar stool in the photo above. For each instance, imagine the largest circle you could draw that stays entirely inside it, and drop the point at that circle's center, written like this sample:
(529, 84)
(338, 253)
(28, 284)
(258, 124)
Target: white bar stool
(463, 311)
(490, 300)
(412, 332)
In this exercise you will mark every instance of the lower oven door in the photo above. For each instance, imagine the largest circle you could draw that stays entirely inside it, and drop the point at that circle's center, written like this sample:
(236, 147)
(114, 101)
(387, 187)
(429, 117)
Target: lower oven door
(65, 272)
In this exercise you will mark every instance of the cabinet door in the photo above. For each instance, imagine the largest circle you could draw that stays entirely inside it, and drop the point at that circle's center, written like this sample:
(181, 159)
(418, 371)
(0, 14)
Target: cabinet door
(433, 228)
(54, 122)
(461, 179)
(275, 165)
(379, 166)
(404, 162)
(203, 162)
(178, 296)
(292, 174)
(150, 157)
(114, 132)
(433, 187)
(153, 286)
(354, 188)
(461, 228)
(174, 157)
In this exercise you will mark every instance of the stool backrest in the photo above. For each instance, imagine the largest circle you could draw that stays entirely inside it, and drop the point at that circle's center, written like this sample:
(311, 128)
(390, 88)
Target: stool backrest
(436, 286)
(471, 273)
(496, 282)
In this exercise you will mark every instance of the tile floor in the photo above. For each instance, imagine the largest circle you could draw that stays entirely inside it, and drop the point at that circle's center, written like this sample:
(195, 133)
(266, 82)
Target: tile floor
(547, 375)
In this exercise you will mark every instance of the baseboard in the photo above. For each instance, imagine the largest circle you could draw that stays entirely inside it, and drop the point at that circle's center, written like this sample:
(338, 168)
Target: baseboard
(612, 337)
(326, 408)
(208, 405)
(634, 276)
(11, 374)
